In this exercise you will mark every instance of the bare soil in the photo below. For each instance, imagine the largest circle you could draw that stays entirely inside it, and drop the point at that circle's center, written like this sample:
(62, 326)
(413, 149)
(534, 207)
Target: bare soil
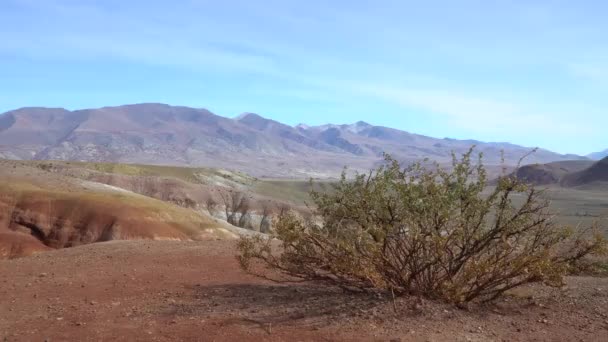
(195, 291)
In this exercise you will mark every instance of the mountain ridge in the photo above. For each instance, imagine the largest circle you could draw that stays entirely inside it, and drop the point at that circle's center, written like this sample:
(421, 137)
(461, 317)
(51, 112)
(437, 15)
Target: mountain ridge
(158, 133)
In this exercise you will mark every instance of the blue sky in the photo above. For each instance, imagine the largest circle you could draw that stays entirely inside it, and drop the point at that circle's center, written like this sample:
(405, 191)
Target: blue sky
(529, 72)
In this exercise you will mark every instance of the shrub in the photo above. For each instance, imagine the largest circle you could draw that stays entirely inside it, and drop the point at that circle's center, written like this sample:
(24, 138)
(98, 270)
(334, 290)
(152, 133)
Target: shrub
(427, 231)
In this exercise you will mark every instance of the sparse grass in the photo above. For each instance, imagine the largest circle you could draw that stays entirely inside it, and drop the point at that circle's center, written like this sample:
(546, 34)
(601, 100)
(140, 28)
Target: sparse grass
(296, 191)
(580, 207)
(575, 207)
(191, 175)
(196, 175)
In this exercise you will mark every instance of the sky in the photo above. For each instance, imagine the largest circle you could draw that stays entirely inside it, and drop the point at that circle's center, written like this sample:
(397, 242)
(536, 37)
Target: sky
(534, 73)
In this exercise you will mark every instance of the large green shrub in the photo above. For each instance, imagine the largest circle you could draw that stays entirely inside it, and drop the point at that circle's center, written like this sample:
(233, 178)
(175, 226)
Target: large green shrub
(438, 233)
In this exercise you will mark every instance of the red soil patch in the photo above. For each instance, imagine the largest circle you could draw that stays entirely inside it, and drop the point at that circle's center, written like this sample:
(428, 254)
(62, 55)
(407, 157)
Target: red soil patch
(32, 220)
(15, 244)
(195, 291)
(68, 222)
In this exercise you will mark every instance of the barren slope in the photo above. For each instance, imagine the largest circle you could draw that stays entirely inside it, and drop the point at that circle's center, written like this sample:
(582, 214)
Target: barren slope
(39, 209)
(595, 175)
(551, 173)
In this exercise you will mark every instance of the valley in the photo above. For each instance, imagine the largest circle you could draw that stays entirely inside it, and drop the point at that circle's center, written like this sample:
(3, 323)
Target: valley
(57, 204)
(116, 235)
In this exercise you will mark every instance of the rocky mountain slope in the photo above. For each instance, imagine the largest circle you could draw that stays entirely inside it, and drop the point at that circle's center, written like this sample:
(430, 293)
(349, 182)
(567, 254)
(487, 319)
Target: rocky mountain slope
(162, 134)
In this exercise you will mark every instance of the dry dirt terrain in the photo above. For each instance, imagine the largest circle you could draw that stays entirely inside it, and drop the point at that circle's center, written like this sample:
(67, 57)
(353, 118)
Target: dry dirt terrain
(195, 291)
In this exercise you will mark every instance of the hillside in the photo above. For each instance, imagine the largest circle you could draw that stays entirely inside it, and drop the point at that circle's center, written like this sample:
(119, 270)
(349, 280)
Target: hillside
(574, 173)
(550, 173)
(168, 135)
(56, 204)
(42, 210)
(595, 175)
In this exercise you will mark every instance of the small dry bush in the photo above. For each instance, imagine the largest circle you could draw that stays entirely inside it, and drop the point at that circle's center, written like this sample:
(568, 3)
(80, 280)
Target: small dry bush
(424, 231)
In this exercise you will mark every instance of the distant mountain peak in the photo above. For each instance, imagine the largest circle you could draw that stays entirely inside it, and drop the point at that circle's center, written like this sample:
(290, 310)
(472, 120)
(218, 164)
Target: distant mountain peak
(248, 116)
(302, 126)
(257, 121)
(354, 128)
(362, 124)
(358, 126)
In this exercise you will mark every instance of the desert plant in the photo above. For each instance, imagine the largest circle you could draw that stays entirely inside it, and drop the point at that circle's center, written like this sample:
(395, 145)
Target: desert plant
(283, 209)
(427, 231)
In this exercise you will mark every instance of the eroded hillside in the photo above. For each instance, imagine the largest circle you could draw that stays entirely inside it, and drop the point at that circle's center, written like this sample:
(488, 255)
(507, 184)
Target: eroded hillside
(41, 209)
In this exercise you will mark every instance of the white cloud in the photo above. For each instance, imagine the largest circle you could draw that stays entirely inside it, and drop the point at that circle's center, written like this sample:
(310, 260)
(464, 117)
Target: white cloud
(481, 115)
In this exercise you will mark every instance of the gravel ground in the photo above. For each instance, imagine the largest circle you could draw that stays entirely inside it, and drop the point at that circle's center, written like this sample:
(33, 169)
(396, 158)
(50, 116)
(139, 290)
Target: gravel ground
(195, 291)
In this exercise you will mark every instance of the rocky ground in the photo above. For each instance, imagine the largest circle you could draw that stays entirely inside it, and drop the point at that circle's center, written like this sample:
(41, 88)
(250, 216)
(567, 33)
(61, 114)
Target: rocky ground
(195, 291)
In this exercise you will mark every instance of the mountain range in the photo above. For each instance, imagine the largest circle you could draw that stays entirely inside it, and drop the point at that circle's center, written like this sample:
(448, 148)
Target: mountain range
(172, 135)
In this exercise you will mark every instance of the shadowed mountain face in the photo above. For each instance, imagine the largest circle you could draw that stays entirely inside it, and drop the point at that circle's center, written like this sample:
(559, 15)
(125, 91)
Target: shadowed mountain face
(551, 173)
(588, 174)
(595, 175)
(162, 134)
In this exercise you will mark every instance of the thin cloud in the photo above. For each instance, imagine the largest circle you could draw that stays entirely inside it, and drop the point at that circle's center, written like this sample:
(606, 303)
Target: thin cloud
(320, 53)
(476, 114)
